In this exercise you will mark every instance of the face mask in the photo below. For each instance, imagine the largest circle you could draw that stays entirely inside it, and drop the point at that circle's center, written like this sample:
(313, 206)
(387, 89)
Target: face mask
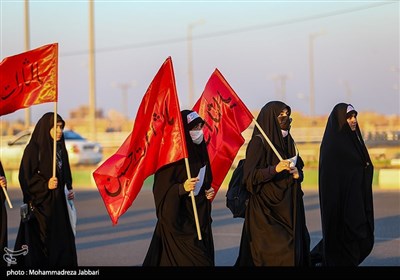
(284, 122)
(197, 136)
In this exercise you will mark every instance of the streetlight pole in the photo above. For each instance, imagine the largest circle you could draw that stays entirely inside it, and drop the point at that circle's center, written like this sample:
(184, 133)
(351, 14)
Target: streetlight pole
(280, 85)
(396, 69)
(311, 63)
(27, 48)
(92, 83)
(124, 88)
(348, 91)
(190, 59)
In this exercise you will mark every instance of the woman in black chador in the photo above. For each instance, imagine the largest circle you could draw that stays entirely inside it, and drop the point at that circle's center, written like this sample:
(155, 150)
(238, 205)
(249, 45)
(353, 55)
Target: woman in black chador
(48, 235)
(175, 241)
(3, 215)
(274, 230)
(345, 192)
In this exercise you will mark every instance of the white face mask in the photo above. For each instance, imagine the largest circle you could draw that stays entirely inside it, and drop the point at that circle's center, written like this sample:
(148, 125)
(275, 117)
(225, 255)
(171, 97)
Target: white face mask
(197, 136)
(285, 133)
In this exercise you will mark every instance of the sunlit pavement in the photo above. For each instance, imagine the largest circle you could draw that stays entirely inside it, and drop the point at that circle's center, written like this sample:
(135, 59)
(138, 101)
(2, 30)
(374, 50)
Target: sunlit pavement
(99, 243)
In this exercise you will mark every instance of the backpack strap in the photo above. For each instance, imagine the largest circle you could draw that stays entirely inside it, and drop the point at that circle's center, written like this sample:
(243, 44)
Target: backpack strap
(262, 138)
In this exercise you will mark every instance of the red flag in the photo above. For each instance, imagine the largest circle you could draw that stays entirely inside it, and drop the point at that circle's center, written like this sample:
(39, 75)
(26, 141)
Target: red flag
(157, 139)
(29, 78)
(226, 117)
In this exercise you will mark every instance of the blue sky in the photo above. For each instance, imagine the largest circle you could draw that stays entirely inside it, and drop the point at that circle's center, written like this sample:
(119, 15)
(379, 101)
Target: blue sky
(257, 45)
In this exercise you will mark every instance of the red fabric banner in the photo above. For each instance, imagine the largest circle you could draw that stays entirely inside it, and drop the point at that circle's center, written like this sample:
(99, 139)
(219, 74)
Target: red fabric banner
(157, 139)
(29, 78)
(226, 117)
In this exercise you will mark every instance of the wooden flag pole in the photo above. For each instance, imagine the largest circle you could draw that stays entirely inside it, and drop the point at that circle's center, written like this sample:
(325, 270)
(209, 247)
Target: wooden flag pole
(196, 217)
(55, 139)
(8, 199)
(266, 138)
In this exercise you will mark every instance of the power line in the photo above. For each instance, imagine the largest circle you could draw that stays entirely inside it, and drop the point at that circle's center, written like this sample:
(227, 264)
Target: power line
(230, 32)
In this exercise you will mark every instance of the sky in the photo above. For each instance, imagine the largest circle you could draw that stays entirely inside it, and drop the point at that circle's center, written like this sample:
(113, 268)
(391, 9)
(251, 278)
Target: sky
(262, 48)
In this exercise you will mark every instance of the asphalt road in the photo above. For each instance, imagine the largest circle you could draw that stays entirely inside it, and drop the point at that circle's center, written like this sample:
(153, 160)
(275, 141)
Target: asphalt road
(99, 243)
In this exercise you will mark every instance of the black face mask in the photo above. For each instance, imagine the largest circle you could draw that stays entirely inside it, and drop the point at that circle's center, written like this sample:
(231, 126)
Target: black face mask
(284, 122)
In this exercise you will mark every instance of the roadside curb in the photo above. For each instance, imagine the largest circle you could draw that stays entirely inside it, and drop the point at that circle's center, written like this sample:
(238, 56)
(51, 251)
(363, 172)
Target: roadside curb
(389, 179)
(386, 179)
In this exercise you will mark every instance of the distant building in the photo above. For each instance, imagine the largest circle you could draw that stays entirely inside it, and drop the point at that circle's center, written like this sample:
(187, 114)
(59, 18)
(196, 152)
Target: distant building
(83, 113)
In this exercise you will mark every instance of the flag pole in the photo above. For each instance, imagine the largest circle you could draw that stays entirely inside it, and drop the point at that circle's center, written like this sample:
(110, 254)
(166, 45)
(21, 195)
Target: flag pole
(8, 199)
(196, 217)
(55, 139)
(266, 138)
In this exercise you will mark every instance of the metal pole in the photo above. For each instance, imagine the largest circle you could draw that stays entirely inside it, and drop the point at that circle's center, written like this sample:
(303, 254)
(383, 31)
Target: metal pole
(311, 63)
(125, 101)
(280, 85)
(190, 60)
(92, 83)
(27, 48)
(190, 65)
(124, 89)
(348, 91)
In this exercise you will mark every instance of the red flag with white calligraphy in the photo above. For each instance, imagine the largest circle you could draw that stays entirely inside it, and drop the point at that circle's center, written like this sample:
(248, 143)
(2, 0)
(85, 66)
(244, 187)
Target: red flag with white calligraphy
(157, 139)
(226, 117)
(29, 78)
